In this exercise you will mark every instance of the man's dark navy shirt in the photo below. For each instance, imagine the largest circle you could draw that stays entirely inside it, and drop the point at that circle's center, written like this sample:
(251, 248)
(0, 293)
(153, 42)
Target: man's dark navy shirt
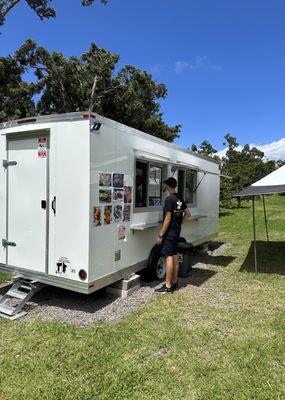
(176, 205)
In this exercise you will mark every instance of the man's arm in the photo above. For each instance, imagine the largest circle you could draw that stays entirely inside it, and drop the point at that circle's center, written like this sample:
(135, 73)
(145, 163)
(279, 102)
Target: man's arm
(164, 227)
(187, 215)
(166, 223)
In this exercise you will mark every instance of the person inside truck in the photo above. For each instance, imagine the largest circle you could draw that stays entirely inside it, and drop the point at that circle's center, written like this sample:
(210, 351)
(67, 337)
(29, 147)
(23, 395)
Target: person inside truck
(175, 212)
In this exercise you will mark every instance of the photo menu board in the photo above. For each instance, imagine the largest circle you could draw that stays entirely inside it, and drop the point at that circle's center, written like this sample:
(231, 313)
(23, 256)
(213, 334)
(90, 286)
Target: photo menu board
(114, 202)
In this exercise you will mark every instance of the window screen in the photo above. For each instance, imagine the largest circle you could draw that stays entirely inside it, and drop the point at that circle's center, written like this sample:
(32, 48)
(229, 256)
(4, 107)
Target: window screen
(155, 186)
(190, 183)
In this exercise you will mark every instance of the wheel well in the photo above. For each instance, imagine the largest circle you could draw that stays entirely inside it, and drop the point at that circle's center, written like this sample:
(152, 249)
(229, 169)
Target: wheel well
(153, 253)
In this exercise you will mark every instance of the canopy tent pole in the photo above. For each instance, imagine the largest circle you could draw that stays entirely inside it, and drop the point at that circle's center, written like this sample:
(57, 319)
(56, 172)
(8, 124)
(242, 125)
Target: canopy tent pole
(254, 234)
(265, 218)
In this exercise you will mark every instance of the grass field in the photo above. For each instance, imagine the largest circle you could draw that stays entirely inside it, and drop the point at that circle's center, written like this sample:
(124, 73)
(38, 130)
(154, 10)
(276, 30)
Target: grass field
(221, 340)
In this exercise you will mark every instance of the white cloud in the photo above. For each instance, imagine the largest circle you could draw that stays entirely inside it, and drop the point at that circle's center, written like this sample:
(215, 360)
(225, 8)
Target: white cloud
(199, 62)
(157, 68)
(203, 62)
(272, 151)
(180, 66)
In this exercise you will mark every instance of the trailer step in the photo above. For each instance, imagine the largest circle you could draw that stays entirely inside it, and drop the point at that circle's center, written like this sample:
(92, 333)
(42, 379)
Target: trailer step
(6, 310)
(17, 294)
(12, 303)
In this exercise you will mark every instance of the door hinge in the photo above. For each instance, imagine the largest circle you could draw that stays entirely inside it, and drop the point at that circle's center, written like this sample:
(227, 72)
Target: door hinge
(7, 163)
(6, 243)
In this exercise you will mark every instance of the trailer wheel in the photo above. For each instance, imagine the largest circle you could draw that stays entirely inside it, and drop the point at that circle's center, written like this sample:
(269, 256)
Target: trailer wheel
(160, 267)
(156, 268)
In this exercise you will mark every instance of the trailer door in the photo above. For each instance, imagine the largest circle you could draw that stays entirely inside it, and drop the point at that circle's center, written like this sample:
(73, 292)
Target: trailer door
(27, 178)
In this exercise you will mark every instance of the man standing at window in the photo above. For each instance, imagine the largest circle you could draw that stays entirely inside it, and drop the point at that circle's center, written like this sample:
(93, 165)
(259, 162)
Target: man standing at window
(175, 212)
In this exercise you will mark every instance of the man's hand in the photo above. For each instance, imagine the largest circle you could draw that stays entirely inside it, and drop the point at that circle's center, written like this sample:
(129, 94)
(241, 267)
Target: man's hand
(187, 215)
(158, 240)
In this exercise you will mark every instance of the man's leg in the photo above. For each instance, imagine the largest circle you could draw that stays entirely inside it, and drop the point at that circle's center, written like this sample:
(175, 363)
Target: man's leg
(175, 269)
(169, 270)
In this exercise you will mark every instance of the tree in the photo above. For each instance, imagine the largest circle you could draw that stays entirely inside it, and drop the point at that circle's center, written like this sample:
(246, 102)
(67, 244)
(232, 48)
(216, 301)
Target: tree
(280, 163)
(40, 7)
(66, 84)
(16, 96)
(89, 82)
(239, 168)
(244, 166)
(134, 103)
(205, 148)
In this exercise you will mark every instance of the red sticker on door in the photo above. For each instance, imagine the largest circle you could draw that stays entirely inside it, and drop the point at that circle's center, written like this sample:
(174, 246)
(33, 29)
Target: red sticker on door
(42, 153)
(42, 140)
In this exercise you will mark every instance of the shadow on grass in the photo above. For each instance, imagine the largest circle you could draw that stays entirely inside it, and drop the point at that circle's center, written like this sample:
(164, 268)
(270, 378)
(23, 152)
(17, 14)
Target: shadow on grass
(212, 257)
(225, 213)
(270, 258)
(197, 277)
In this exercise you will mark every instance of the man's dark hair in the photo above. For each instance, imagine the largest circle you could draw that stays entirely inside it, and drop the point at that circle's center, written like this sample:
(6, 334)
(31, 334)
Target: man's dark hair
(171, 182)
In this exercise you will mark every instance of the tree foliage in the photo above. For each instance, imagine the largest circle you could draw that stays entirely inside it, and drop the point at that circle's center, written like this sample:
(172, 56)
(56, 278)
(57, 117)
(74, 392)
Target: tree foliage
(205, 148)
(16, 95)
(240, 167)
(40, 7)
(88, 82)
(244, 166)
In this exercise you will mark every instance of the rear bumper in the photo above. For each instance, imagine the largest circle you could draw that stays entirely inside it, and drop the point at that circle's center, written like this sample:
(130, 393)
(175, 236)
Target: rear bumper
(69, 284)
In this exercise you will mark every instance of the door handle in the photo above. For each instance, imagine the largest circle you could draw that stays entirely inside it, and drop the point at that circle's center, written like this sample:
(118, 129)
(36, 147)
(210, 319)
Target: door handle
(44, 204)
(53, 205)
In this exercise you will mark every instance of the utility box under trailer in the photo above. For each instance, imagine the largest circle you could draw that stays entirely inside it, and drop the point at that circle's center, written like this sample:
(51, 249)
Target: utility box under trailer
(81, 198)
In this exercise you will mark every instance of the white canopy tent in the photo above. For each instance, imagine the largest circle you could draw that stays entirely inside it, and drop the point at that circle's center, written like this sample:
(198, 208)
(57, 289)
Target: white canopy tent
(270, 184)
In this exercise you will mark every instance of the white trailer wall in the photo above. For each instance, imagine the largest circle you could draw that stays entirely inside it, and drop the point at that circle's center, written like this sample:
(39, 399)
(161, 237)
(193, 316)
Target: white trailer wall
(113, 149)
(2, 200)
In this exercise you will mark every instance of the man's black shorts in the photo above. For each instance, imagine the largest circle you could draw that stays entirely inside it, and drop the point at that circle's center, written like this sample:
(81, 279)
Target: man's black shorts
(169, 247)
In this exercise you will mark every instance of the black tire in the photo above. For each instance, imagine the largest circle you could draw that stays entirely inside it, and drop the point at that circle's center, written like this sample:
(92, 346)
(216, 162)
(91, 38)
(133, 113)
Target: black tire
(154, 270)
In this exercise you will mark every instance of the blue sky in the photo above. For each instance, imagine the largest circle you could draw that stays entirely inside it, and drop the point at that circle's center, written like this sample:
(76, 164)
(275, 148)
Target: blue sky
(223, 61)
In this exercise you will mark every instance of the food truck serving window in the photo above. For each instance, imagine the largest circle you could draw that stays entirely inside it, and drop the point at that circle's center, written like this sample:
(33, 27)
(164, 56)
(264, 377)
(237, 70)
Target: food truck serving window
(148, 184)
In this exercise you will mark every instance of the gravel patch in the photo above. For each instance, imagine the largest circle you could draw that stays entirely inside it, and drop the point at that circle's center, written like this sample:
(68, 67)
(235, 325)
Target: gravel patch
(54, 304)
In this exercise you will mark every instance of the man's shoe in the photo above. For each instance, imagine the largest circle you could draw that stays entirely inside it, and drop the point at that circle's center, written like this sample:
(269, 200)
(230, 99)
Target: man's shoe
(164, 290)
(175, 286)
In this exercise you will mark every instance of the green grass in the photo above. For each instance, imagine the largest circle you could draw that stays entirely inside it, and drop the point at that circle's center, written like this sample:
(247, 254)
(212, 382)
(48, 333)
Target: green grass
(221, 340)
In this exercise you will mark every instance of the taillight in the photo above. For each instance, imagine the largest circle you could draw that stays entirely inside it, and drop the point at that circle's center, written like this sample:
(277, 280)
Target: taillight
(82, 274)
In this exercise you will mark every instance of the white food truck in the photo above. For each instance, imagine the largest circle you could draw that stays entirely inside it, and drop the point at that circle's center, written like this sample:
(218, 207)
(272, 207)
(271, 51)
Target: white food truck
(81, 199)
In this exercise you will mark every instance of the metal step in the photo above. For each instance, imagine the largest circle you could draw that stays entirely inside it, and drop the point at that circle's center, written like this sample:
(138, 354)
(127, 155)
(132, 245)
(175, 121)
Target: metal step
(6, 310)
(17, 294)
(21, 291)
(26, 287)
